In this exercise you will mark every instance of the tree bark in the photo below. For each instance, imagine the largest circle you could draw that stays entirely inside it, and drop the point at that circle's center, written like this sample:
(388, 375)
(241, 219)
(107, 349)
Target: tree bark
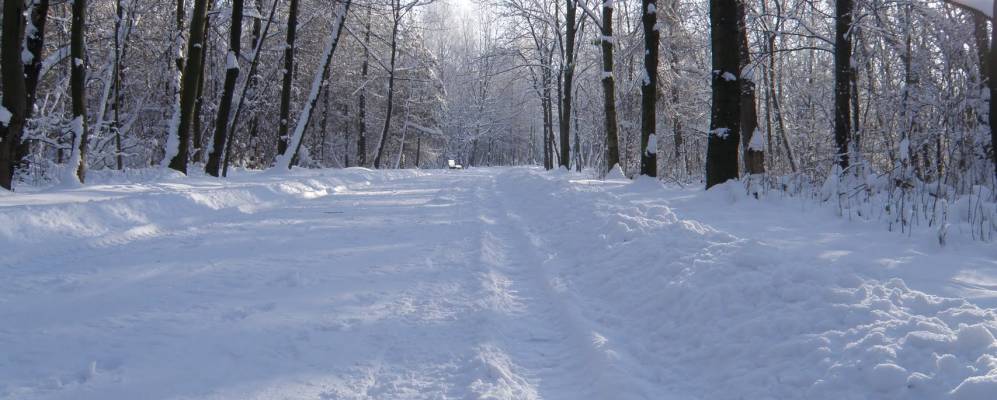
(285, 94)
(118, 55)
(649, 90)
(842, 79)
(725, 120)
(568, 74)
(77, 83)
(231, 77)
(35, 45)
(391, 84)
(14, 111)
(251, 80)
(193, 68)
(753, 151)
(362, 100)
(993, 90)
(284, 160)
(609, 88)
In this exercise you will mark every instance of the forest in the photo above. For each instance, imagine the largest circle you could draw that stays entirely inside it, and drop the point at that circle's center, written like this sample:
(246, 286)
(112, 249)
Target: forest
(498, 199)
(683, 89)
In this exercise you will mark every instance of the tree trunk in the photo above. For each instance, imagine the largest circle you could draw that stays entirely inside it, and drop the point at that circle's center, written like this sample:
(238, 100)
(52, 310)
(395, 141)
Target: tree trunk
(568, 74)
(77, 83)
(609, 88)
(119, 25)
(188, 86)
(251, 80)
(391, 86)
(284, 159)
(14, 110)
(993, 90)
(725, 120)
(842, 79)
(34, 41)
(197, 130)
(753, 148)
(418, 150)
(285, 94)
(231, 76)
(649, 90)
(362, 100)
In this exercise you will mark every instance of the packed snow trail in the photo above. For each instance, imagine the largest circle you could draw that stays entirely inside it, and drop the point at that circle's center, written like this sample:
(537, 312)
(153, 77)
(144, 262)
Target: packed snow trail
(477, 284)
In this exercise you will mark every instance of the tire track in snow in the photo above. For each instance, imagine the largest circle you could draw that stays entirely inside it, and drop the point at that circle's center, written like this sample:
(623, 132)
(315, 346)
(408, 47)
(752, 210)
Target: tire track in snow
(537, 346)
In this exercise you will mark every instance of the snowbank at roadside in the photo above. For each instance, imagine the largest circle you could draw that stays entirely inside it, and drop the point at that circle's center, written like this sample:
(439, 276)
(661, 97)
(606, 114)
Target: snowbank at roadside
(779, 304)
(117, 206)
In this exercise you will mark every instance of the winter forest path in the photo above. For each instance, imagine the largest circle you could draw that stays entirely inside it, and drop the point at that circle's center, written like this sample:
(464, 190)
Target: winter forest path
(476, 284)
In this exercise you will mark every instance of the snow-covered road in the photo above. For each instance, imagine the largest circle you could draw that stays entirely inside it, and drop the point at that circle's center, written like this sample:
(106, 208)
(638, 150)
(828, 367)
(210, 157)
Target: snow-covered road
(478, 284)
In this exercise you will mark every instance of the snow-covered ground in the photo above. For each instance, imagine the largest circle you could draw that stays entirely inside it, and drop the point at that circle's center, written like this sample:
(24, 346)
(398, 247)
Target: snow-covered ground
(484, 283)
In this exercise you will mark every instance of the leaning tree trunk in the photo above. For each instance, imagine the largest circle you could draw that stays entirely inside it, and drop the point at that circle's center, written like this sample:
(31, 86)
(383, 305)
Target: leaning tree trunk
(251, 80)
(649, 90)
(77, 83)
(752, 144)
(14, 107)
(284, 159)
(231, 76)
(609, 88)
(842, 79)
(285, 94)
(725, 122)
(193, 68)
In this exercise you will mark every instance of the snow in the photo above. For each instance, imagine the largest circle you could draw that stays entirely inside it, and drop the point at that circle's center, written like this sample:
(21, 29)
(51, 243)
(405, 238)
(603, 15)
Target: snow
(729, 77)
(491, 283)
(652, 144)
(5, 115)
(984, 6)
(70, 177)
(231, 61)
(757, 142)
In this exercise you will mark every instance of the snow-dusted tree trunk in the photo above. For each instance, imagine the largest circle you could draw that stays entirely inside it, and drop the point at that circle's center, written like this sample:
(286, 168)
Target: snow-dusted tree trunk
(362, 100)
(193, 68)
(213, 165)
(34, 45)
(77, 167)
(395, 23)
(568, 74)
(993, 87)
(649, 89)
(285, 94)
(842, 78)
(13, 109)
(752, 143)
(284, 159)
(609, 88)
(725, 124)
(259, 34)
